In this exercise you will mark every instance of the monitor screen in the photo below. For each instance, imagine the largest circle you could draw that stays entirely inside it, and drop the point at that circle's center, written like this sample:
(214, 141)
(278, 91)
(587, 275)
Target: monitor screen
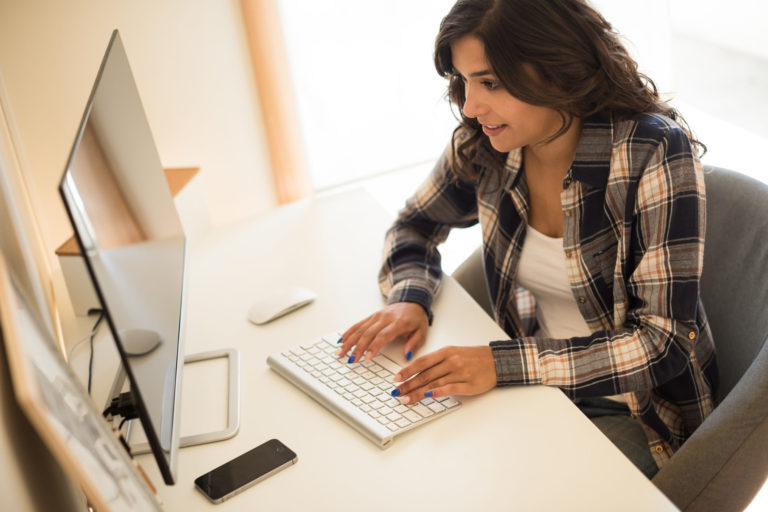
(130, 235)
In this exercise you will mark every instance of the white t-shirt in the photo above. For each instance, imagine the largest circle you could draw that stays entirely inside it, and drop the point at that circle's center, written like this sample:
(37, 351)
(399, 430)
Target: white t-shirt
(542, 271)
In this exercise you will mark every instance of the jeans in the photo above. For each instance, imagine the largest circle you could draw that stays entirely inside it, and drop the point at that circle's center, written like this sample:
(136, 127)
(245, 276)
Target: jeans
(614, 421)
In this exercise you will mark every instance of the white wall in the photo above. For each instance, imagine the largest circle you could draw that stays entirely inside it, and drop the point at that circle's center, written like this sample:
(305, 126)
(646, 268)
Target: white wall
(192, 66)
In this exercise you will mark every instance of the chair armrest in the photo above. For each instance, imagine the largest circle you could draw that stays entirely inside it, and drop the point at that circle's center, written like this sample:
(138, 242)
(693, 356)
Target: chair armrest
(723, 464)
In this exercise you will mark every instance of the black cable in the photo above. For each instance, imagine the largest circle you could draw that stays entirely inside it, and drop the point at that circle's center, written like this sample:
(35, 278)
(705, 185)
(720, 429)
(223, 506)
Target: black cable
(90, 357)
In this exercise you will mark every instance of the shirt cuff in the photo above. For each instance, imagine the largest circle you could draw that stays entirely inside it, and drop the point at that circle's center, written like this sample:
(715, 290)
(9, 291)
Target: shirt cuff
(408, 292)
(516, 362)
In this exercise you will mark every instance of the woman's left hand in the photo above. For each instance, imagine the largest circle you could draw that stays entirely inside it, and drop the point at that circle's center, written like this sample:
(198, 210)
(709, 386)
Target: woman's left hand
(447, 371)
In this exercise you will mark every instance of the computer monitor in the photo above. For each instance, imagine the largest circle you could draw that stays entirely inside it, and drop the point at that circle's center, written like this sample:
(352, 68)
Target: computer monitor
(60, 410)
(130, 235)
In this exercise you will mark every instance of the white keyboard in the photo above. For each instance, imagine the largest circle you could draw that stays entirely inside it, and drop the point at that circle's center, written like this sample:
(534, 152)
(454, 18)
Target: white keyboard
(359, 393)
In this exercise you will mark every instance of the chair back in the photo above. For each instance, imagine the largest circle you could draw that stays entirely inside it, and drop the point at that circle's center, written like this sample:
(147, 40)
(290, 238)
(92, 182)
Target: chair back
(734, 281)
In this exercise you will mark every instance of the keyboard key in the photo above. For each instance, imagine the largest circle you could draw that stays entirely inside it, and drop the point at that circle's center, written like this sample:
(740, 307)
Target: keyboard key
(392, 402)
(451, 402)
(422, 410)
(403, 422)
(393, 416)
(392, 427)
(436, 406)
(412, 416)
(401, 409)
(387, 363)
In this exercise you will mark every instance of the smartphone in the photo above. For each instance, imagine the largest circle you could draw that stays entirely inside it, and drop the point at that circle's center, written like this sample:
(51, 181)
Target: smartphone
(248, 469)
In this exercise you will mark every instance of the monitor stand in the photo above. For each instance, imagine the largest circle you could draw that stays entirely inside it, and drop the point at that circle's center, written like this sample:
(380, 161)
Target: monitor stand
(233, 407)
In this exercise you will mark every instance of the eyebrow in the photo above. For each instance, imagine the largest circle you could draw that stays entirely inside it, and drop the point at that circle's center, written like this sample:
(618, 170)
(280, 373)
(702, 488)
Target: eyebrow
(476, 74)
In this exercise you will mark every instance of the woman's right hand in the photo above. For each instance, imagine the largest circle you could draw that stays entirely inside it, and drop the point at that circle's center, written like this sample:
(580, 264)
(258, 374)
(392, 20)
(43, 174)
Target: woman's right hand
(406, 320)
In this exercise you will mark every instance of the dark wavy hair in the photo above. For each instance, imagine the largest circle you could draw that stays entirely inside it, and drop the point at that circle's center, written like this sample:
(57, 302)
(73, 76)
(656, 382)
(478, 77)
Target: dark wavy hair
(567, 44)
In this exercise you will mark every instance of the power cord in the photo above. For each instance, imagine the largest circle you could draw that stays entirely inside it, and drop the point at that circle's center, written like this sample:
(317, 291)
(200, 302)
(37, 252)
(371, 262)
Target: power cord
(90, 337)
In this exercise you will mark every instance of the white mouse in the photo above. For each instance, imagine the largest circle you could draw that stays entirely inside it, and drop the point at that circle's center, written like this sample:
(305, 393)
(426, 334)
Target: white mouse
(278, 303)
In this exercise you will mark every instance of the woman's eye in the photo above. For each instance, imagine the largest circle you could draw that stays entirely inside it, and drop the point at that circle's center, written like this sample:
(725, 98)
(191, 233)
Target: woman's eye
(490, 84)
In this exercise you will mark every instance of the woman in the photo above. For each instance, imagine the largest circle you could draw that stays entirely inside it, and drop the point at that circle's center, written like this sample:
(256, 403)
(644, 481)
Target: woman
(591, 201)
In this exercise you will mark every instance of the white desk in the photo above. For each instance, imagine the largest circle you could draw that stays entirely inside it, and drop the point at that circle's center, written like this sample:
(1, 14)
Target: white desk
(526, 448)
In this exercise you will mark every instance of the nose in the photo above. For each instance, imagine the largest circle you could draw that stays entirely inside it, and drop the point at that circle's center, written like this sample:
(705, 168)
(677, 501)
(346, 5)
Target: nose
(474, 106)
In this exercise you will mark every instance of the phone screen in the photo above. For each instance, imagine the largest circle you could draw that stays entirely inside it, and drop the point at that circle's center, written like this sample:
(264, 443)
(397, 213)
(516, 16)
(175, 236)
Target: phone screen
(245, 470)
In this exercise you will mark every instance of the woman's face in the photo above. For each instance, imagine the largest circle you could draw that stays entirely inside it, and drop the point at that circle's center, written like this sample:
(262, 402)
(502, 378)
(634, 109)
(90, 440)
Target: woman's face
(508, 122)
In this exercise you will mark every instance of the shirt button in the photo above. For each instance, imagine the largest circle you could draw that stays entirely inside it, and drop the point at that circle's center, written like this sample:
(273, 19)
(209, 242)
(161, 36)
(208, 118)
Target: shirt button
(567, 213)
(566, 182)
(691, 335)
(582, 300)
(659, 449)
(568, 254)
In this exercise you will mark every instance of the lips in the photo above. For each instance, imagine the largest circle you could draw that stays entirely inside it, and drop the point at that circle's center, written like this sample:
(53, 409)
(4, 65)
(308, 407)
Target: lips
(493, 129)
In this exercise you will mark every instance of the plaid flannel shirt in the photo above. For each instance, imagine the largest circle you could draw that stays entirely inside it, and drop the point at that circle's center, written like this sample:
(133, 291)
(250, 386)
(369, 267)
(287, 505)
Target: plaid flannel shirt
(633, 207)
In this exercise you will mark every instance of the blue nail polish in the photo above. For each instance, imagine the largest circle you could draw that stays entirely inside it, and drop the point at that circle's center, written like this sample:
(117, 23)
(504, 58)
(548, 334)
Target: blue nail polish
(339, 341)
(351, 359)
(428, 394)
(408, 356)
(395, 392)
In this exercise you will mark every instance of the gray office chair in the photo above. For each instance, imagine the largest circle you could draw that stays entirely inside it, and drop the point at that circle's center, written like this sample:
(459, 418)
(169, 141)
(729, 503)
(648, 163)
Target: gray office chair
(725, 462)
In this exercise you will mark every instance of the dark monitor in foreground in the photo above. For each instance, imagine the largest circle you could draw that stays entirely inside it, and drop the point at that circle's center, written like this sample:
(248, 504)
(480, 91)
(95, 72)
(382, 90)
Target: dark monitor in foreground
(130, 235)
(60, 410)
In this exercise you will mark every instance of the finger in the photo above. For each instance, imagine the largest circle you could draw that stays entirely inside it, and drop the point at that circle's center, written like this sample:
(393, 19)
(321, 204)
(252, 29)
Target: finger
(419, 365)
(452, 389)
(424, 380)
(364, 341)
(432, 389)
(352, 335)
(414, 341)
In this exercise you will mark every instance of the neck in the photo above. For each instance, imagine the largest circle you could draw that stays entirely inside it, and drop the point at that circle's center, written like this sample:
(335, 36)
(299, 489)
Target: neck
(555, 156)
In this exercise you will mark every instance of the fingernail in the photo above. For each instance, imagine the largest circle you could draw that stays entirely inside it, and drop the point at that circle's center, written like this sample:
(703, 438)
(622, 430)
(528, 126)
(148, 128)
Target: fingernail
(405, 400)
(339, 341)
(351, 359)
(428, 394)
(395, 392)
(408, 356)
